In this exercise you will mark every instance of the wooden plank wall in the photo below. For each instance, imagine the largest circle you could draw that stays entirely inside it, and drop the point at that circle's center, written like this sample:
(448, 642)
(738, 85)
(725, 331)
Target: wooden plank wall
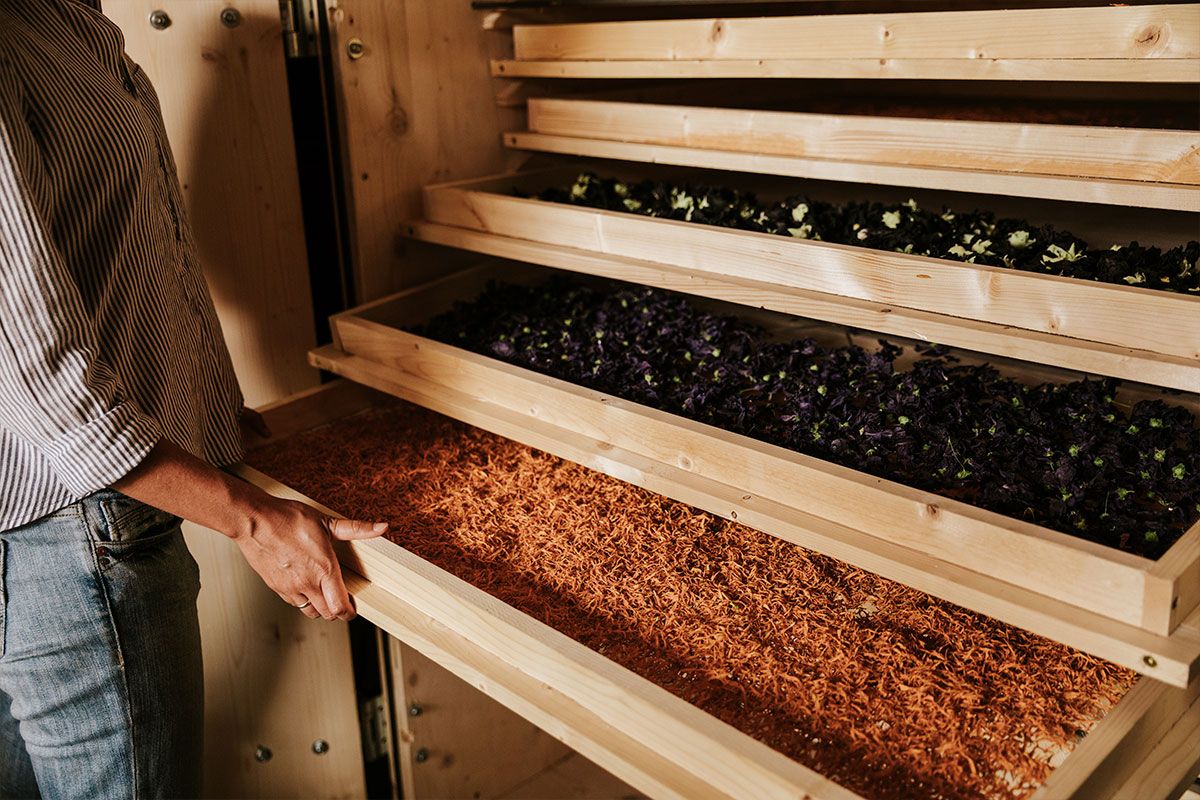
(475, 747)
(272, 677)
(416, 108)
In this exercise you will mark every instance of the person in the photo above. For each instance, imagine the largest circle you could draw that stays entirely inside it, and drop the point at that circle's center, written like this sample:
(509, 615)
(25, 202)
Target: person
(118, 403)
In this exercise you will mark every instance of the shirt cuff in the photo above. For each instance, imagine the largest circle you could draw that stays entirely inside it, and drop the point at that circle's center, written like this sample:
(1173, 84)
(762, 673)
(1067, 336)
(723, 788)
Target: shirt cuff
(104, 450)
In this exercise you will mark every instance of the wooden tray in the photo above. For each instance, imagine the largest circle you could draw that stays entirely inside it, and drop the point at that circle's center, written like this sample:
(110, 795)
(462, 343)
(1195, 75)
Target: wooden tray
(1119, 166)
(1119, 606)
(1139, 43)
(634, 728)
(1099, 327)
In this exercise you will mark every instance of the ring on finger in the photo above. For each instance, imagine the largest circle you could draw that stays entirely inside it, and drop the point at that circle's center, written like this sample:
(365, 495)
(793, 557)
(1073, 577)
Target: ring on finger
(304, 605)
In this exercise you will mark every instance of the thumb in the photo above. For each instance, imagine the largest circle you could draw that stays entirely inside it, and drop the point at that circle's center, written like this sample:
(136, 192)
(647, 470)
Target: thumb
(346, 529)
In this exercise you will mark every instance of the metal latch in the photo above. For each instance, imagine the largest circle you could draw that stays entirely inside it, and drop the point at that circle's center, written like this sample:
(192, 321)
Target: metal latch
(299, 28)
(373, 723)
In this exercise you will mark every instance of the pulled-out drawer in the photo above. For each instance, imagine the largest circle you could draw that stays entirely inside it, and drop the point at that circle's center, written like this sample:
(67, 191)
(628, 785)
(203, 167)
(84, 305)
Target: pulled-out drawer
(1130, 332)
(1128, 609)
(630, 725)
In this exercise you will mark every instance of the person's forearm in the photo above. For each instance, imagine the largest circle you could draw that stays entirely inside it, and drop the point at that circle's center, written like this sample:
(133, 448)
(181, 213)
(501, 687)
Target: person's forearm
(171, 479)
(286, 542)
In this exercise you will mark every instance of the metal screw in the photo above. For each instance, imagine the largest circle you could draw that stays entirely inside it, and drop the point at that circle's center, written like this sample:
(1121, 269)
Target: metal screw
(320, 747)
(262, 754)
(160, 20)
(1150, 661)
(415, 710)
(231, 17)
(421, 756)
(355, 49)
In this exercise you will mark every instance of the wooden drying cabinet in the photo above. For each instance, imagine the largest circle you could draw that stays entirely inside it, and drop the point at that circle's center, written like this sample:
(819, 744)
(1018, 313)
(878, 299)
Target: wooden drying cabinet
(635, 729)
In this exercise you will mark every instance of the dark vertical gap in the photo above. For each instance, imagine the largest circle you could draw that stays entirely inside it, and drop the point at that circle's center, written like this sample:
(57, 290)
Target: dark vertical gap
(322, 200)
(368, 683)
(333, 134)
(327, 240)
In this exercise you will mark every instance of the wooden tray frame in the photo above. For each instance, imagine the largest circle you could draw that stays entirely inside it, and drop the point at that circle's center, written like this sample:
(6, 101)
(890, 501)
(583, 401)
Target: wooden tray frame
(641, 733)
(1141, 334)
(1140, 43)
(1111, 603)
(1118, 166)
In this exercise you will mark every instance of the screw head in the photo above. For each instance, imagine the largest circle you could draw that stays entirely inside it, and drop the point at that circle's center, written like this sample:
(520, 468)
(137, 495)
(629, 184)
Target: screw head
(231, 17)
(160, 20)
(415, 710)
(262, 754)
(421, 756)
(355, 49)
(320, 747)
(1150, 661)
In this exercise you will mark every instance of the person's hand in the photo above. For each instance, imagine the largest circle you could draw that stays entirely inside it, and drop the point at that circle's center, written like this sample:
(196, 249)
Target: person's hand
(289, 545)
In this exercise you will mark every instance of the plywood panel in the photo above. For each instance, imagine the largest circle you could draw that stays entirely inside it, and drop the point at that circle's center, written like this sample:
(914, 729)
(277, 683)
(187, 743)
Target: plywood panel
(417, 107)
(272, 677)
(224, 98)
(574, 778)
(472, 747)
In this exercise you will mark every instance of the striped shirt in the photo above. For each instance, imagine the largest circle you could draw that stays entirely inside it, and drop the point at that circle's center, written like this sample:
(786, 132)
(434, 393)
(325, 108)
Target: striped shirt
(108, 336)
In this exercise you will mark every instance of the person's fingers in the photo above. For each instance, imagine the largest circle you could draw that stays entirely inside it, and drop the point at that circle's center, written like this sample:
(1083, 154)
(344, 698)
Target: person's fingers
(336, 597)
(346, 529)
(315, 595)
(303, 605)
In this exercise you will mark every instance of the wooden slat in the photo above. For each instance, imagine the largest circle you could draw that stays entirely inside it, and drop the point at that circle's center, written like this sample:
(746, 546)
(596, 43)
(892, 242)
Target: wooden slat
(1075, 354)
(636, 729)
(1176, 660)
(1112, 70)
(1173, 583)
(1115, 748)
(1140, 319)
(1174, 197)
(1133, 154)
(312, 407)
(1130, 32)
(1171, 769)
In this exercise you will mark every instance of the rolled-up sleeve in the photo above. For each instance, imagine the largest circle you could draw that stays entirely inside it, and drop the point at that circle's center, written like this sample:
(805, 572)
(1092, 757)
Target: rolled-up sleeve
(54, 391)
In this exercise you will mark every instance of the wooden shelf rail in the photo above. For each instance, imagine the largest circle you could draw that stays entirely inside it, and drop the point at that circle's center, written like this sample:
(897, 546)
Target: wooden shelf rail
(1117, 166)
(1138, 43)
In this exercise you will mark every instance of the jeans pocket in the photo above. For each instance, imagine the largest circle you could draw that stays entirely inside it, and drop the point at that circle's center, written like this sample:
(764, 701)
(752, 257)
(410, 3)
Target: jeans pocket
(130, 528)
(128, 520)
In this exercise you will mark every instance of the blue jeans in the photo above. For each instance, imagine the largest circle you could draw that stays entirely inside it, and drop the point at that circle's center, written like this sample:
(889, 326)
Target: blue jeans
(101, 685)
